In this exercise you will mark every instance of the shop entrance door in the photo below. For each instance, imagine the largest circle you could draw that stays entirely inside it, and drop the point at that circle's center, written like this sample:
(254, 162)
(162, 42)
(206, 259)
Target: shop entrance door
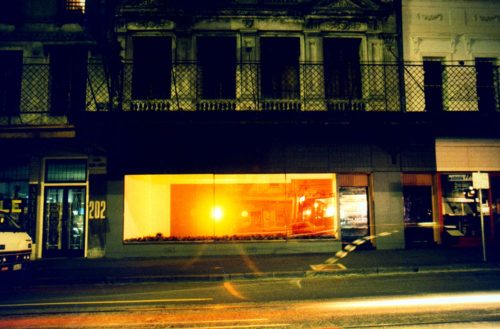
(64, 222)
(419, 228)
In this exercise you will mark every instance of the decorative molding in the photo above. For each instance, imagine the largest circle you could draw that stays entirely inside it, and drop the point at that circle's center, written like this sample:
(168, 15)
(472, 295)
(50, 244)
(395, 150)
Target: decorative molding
(341, 26)
(486, 19)
(350, 4)
(468, 42)
(389, 41)
(416, 41)
(141, 3)
(151, 25)
(430, 17)
(446, 43)
(248, 23)
(453, 44)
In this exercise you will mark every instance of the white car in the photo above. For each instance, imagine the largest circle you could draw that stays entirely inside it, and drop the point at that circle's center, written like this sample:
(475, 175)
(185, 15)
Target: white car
(15, 244)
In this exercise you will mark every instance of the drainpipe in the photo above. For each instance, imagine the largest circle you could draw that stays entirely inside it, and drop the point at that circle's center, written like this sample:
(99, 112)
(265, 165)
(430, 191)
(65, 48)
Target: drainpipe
(398, 4)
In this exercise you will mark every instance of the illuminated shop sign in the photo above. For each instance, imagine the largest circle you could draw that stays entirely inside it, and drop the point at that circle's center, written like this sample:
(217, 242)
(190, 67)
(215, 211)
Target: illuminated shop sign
(14, 206)
(460, 177)
(229, 207)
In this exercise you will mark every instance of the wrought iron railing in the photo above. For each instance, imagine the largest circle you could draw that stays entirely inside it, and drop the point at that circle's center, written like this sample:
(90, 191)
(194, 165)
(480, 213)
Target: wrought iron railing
(380, 88)
(374, 88)
(307, 89)
(35, 105)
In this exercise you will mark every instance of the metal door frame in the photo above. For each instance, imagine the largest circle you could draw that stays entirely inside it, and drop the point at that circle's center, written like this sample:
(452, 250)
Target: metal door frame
(41, 208)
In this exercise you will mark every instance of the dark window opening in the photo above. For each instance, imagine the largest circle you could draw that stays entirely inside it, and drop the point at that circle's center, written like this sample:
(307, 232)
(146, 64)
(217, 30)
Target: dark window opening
(68, 72)
(11, 12)
(485, 84)
(10, 81)
(152, 67)
(342, 68)
(217, 60)
(433, 84)
(280, 68)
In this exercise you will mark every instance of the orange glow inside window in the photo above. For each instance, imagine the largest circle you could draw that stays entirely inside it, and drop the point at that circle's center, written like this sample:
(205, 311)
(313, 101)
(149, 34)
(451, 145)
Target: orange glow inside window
(246, 207)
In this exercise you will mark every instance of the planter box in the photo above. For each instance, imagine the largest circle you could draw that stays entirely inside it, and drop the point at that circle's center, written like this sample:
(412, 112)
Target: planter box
(212, 248)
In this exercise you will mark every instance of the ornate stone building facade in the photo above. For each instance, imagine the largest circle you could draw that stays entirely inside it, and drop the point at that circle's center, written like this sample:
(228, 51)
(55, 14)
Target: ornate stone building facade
(174, 128)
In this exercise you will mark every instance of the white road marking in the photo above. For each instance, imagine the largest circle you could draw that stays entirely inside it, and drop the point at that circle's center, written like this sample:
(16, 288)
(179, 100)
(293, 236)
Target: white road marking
(106, 302)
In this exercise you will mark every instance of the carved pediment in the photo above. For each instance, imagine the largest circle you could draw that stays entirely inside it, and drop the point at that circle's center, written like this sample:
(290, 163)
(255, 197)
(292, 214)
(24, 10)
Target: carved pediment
(347, 4)
(140, 3)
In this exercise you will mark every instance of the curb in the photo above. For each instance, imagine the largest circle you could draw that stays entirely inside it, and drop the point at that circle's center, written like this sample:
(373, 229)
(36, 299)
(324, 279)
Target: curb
(399, 270)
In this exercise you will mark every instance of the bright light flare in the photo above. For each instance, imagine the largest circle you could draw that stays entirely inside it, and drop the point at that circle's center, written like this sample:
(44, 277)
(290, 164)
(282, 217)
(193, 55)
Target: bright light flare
(217, 213)
(330, 211)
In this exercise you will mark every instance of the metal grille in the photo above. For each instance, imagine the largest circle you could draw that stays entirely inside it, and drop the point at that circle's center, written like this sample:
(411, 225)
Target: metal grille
(97, 96)
(459, 88)
(380, 86)
(17, 172)
(66, 171)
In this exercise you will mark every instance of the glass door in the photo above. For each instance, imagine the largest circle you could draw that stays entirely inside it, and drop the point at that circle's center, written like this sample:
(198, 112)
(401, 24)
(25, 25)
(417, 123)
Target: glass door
(64, 222)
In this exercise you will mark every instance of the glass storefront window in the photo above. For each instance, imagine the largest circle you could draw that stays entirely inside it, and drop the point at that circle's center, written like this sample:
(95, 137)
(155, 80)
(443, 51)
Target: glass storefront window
(14, 194)
(229, 207)
(461, 216)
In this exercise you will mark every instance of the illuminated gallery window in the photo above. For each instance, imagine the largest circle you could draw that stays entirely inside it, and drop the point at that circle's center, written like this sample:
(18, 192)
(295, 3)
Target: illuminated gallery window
(229, 207)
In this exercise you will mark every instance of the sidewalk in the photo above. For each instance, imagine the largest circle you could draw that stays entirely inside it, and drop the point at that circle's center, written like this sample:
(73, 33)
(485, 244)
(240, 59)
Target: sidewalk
(360, 262)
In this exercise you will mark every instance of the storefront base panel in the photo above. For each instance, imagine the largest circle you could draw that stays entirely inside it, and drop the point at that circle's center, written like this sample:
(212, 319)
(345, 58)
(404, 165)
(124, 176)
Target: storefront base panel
(225, 249)
(95, 253)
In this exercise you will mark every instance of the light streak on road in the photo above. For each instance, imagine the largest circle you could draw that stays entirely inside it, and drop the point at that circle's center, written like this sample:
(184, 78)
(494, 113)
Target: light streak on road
(135, 320)
(109, 302)
(232, 290)
(449, 300)
(272, 325)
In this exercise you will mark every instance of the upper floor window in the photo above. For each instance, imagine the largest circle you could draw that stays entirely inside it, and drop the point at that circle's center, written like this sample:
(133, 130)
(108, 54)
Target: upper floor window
(11, 12)
(71, 11)
(433, 83)
(68, 74)
(217, 60)
(75, 5)
(10, 81)
(485, 83)
(151, 76)
(342, 68)
(280, 67)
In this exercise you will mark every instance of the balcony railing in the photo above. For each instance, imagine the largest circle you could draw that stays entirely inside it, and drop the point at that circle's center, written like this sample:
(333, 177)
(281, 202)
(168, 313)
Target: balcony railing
(307, 90)
(37, 105)
(376, 88)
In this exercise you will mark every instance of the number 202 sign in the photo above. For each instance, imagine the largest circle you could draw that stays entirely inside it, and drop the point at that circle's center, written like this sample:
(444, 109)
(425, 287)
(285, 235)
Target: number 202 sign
(97, 209)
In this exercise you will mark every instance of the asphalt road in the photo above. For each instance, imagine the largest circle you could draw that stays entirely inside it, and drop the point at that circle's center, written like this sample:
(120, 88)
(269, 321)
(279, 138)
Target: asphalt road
(421, 300)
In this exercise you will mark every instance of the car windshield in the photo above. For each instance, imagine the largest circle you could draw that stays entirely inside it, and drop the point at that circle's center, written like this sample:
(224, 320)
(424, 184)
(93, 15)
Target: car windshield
(7, 224)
